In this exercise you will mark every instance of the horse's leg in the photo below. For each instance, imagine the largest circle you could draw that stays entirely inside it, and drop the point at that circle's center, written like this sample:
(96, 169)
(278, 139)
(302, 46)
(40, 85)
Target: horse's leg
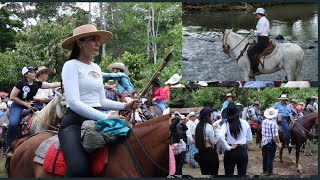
(280, 153)
(299, 168)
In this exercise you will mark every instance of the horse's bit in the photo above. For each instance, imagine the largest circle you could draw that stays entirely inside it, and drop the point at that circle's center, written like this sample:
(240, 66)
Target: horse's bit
(226, 46)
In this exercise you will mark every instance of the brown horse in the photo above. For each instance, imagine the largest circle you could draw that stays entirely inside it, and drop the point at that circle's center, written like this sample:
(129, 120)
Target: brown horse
(300, 132)
(149, 142)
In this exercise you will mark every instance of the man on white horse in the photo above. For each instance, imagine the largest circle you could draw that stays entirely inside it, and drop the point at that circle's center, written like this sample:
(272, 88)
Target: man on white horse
(262, 29)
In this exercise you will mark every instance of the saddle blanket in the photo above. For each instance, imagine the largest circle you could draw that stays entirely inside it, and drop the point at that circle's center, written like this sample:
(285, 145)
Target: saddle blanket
(50, 156)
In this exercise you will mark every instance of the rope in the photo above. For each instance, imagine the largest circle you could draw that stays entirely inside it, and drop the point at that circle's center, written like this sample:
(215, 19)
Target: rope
(301, 127)
(134, 159)
(148, 155)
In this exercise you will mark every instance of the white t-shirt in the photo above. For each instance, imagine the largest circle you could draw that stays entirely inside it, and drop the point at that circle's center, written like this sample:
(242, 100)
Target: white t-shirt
(262, 27)
(209, 133)
(244, 136)
(84, 91)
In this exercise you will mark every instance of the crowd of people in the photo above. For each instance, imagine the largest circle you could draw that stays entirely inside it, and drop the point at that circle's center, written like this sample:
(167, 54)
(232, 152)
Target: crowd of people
(210, 132)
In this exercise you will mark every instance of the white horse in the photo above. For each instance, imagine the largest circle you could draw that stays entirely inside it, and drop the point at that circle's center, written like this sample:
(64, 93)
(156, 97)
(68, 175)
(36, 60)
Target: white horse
(286, 56)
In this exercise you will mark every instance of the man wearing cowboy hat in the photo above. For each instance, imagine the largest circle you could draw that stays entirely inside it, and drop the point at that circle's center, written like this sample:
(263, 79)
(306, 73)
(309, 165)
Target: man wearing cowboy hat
(270, 140)
(229, 97)
(292, 103)
(315, 104)
(284, 117)
(110, 91)
(256, 107)
(262, 30)
(120, 74)
(43, 96)
(190, 134)
(172, 81)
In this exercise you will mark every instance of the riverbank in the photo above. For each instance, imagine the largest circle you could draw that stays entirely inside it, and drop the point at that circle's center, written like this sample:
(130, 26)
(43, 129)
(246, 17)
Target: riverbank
(186, 7)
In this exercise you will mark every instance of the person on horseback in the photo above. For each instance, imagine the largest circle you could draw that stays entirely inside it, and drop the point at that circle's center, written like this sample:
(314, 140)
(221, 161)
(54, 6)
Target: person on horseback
(43, 96)
(172, 81)
(120, 74)
(110, 91)
(309, 106)
(84, 93)
(158, 94)
(256, 107)
(21, 95)
(229, 97)
(293, 110)
(262, 30)
(315, 104)
(300, 108)
(270, 140)
(284, 117)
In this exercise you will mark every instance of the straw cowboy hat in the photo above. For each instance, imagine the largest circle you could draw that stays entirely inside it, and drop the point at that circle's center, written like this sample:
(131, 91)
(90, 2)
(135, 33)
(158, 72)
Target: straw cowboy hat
(294, 100)
(173, 79)
(231, 111)
(110, 83)
(314, 97)
(42, 69)
(270, 113)
(260, 11)
(86, 30)
(257, 103)
(229, 95)
(283, 97)
(118, 65)
(191, 114)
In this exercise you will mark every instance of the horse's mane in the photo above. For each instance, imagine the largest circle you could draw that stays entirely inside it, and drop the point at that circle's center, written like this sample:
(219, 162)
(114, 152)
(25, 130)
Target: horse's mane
(48, 109)
(307, 117)
(153, 121)
(237, 36)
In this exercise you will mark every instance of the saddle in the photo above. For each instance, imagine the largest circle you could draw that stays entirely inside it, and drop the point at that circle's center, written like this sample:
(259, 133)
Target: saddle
(265, 52)
(50, 156)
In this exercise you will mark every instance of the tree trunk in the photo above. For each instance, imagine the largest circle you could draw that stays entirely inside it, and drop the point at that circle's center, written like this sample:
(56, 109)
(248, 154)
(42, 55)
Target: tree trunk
(89, 13)
(148, 35)
(153, 35)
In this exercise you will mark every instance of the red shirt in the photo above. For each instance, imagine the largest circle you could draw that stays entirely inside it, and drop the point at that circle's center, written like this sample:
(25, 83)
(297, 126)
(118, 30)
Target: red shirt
(167, 91)
(159, 94)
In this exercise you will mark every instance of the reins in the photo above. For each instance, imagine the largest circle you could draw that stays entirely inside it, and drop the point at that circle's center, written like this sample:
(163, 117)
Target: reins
(242, 52)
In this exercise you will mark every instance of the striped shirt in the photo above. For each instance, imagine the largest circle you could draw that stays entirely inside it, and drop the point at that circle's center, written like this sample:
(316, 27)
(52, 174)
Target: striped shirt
(269, 131)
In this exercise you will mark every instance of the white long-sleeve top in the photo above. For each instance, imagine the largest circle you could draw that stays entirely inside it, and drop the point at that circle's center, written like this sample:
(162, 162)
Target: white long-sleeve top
(244, 136)
(263, 27)
(191, 129)
(83, 91)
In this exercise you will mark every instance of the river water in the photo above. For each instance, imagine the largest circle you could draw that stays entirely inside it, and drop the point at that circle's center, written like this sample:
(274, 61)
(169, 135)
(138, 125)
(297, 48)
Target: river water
(203, 58)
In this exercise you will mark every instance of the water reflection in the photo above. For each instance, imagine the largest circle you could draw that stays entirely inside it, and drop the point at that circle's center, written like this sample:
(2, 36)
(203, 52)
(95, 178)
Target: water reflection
(298, 22)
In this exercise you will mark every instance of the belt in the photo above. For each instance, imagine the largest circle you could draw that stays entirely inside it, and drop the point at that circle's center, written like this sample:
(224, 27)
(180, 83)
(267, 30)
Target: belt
(97, 108)
(238, 144)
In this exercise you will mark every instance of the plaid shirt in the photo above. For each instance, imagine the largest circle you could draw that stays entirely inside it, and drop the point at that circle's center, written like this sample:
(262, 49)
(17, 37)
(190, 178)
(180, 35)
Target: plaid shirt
(269, 131)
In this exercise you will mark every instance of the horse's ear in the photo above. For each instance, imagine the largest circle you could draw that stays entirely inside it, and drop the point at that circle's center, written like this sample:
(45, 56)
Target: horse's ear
(58, 94)
(231, 29)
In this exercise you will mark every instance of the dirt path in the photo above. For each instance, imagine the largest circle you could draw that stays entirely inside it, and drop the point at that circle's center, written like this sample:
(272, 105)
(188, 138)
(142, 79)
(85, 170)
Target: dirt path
(287, 168)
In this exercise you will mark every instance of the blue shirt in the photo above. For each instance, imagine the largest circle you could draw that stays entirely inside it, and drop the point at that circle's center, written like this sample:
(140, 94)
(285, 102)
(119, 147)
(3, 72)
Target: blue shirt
(283, 110)
(258, 84)
(225, 104)
(124, 84)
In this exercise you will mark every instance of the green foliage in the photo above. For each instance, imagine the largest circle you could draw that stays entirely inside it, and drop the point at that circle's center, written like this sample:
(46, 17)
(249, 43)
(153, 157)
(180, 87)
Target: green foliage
(182, 98)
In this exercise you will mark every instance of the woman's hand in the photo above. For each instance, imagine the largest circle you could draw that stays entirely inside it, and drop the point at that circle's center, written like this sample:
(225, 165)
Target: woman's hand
(154, 99)
(28, 105)
(279, 145)
(133, 104)
(233, 146)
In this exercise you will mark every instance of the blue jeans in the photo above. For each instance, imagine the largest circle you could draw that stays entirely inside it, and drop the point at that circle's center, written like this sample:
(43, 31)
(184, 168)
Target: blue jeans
(268, 153)
(14, 120)
(192, 151)
(38, 105)
(286, 129)
(160, 104)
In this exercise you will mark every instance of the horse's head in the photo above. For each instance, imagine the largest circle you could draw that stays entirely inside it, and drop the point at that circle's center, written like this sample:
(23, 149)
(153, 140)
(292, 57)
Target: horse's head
(226, 46)
(61, 106)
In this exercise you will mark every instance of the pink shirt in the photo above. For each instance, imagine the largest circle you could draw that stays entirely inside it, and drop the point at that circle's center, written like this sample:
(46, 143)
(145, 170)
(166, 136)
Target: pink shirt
(167, 91)
(159, 94)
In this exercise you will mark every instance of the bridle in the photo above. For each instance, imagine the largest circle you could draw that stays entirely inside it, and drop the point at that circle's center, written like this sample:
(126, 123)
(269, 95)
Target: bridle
(226, 46)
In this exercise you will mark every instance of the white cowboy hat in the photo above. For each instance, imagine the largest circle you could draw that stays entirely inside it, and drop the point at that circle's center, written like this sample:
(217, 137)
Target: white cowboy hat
(260, 11)
(178, 86)
(86, 31)
(229, 95)
(182, 116)
(202, 83)
(238, 104)
(283, 96)
(191, 114)
(270, 113)
(119, 66)
(42, 69)
(173, 79)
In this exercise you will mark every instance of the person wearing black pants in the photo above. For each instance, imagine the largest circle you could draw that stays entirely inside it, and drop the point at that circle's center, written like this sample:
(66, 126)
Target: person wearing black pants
(262, 30)
(84, 93)
(205, 141)
(238, 133)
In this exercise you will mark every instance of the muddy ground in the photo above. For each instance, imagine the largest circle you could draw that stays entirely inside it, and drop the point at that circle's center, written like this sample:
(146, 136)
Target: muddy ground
(309, 164)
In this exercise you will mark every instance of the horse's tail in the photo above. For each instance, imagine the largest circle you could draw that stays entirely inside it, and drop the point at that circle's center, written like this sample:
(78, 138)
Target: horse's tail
(299, 66)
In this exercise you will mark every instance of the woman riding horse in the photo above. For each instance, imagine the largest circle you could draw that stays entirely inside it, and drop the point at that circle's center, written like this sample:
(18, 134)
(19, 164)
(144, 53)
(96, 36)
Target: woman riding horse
(21, 95)
(84, 91)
